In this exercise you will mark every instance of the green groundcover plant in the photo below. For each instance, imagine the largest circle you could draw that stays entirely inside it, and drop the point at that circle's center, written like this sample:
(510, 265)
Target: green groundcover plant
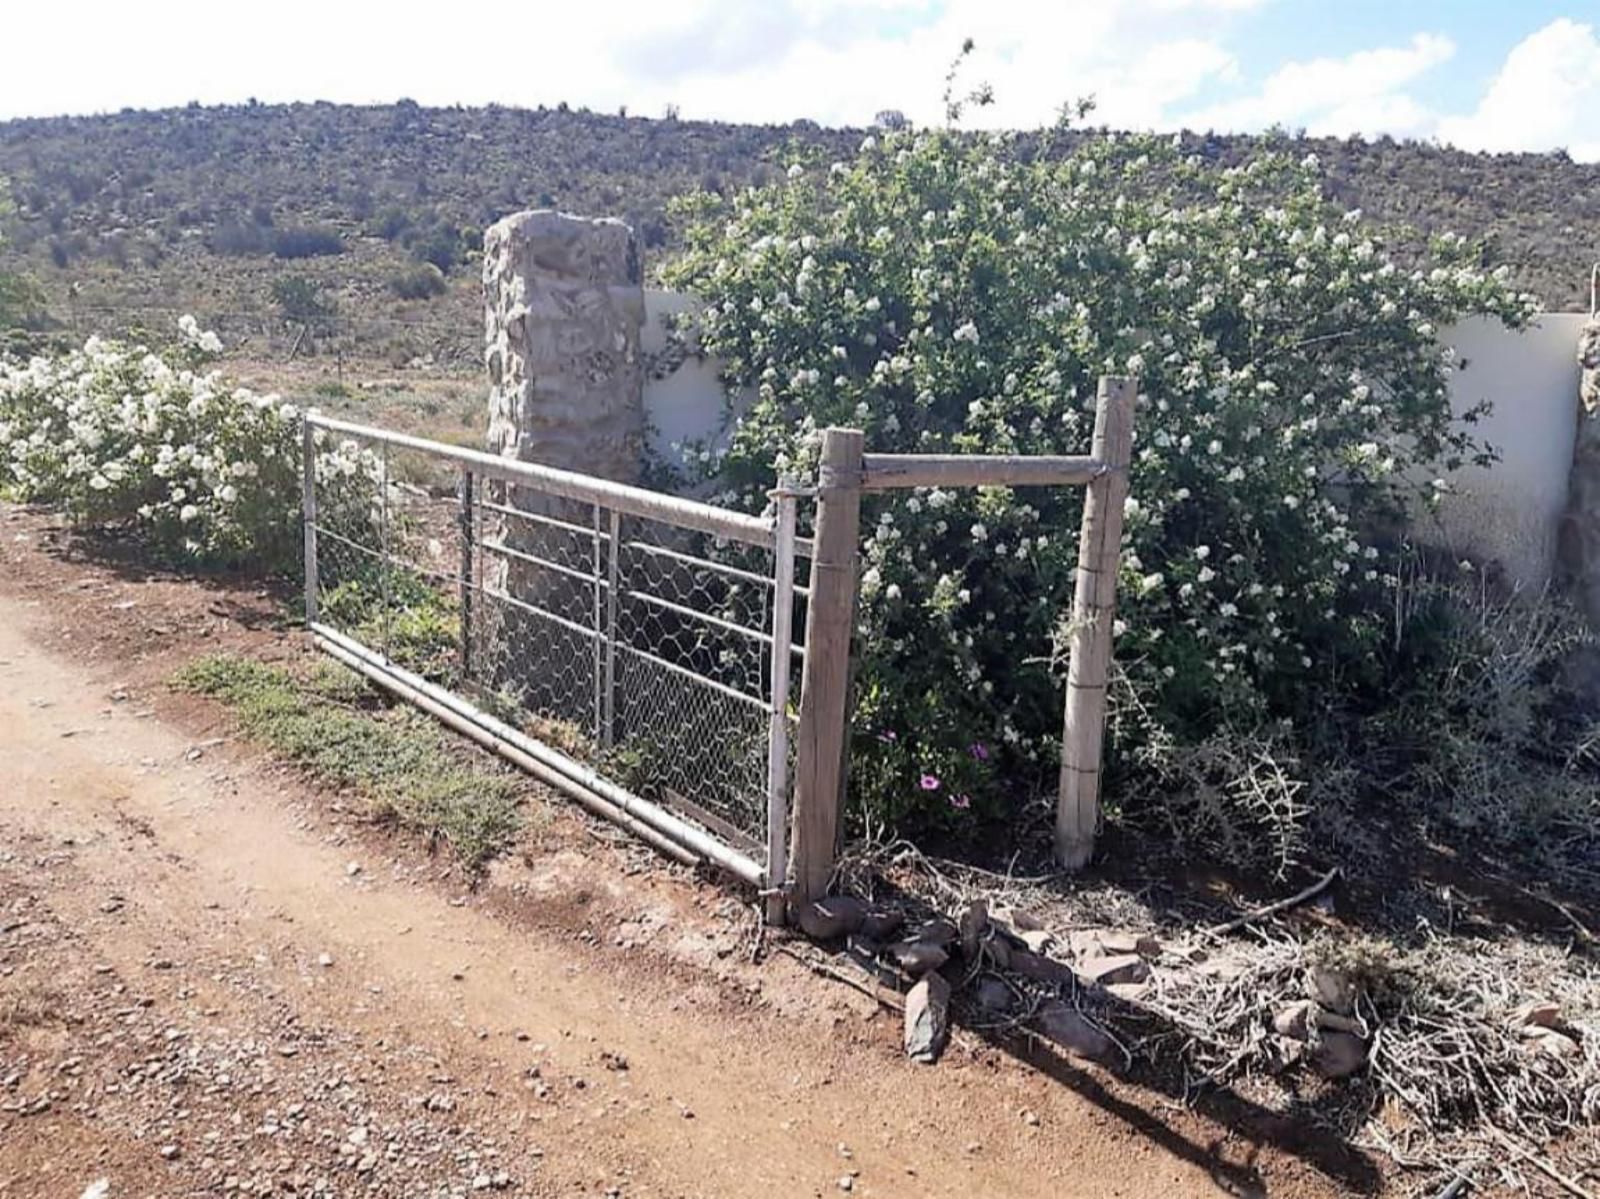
(949, 292)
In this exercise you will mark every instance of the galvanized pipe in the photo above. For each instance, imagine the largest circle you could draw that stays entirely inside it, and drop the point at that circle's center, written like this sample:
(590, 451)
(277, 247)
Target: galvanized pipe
(778, 722)
(641, 811)
(509, 752)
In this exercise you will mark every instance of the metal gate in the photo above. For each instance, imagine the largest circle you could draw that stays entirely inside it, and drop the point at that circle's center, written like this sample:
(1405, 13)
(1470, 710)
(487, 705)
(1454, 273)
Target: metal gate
(634, 649)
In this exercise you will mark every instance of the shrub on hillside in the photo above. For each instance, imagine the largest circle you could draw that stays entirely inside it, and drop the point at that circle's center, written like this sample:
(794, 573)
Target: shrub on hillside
(306, 241)
(120, 434)
(422, 282)
(947, 296)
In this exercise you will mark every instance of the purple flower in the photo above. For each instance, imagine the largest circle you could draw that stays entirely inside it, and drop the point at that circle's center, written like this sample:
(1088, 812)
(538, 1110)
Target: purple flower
(979, 750)
(888, 736)
(961, 801)
(930, 782)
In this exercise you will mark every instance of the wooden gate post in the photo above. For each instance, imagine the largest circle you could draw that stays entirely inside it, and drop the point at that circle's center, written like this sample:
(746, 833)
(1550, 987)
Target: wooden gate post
(825, 683)
(1094, 605)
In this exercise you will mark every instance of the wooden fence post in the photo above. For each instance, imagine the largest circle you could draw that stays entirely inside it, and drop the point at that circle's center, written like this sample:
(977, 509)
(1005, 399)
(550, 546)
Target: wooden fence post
(1094, 606)
(825, 682)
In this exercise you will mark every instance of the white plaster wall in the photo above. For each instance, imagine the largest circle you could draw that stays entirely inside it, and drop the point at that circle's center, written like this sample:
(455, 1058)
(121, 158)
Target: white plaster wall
(1506, 514)
(1509, 513)
(683, 402)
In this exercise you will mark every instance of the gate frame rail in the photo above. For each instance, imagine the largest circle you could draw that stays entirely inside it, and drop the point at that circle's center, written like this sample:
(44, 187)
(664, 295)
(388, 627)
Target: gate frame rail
(653, 823)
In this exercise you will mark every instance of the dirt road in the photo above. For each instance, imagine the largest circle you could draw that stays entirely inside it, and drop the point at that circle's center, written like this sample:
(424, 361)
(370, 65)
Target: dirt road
(214, 980)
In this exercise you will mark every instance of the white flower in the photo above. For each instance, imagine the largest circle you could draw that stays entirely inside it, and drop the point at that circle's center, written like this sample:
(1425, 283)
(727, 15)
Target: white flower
(979, 532)
(187, 513)
(796, 170)
(1228, 608)
(1202, 552)
(967, 332)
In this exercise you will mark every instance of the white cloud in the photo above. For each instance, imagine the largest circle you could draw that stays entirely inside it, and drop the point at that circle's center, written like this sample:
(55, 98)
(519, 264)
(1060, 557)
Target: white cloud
(834, 61)
(1547, 94)
(1361, 93)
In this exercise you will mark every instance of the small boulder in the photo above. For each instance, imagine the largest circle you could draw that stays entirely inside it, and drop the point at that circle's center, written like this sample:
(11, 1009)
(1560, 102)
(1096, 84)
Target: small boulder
(936, 932)
(1338, 1054)
(1129, 992)
(1074, 1032)
(927, 1019)
(881, 925)
(916, 958)
(974, 921)
(1333, 990)
(994, 996)
(1040, 968)
(1114, 968)
(1538, 1013)
(1556, 1044)
(830, 917)
(1037, 939)
(1294, 1020)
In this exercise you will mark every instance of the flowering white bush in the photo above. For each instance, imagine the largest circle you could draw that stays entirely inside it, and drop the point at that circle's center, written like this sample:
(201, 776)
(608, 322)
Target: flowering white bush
(951, 293)
(121, 433)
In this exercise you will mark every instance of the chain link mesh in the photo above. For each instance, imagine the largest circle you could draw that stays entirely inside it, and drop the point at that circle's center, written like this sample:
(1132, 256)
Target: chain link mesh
(635, 645)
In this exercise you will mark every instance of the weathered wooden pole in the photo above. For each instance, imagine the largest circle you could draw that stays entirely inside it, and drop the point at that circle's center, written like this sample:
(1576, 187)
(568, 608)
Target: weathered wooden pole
(1094, 606)
(825, 682)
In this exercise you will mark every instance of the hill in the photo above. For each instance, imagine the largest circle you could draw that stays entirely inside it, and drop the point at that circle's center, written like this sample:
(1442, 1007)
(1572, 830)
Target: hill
(131, 218)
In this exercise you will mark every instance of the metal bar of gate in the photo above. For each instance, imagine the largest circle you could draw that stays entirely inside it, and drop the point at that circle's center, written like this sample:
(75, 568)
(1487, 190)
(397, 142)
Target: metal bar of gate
(608, 732)
(466, 573)
(778, 722)
(308, 506)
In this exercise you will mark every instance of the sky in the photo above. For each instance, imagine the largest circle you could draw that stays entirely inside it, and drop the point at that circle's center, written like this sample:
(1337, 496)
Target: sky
(1479, 74)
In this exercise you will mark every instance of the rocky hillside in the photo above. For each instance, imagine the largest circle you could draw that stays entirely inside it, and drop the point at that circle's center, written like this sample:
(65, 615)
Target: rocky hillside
(376, 212)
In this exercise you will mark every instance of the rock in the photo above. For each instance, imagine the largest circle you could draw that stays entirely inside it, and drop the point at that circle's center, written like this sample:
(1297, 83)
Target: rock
(1115, 968)
(1537, 1013)
(1294, 1020)
(1556, 1044)
(830, 917)
(999, 951)
(880, 926)
(1338, 1054)
(324, 959)
(1037, 939)
(1074, 1032)
(927, 1019)
(1333, 990)
(1030, 1118)
(846, 1183)
(353, 869)
(1129, 992)
(170, 1152)
(917, 958)
(936, 932)
(974, 921)
(1041, 969)
(992, 995)
(1020, 919)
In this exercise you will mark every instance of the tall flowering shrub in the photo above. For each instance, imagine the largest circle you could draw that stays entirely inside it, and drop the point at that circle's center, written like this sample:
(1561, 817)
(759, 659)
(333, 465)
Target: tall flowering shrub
(950, 293)
(152, 440)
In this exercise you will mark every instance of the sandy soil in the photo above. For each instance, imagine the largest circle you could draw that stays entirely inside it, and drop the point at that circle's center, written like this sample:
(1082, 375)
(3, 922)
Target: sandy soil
(217, 980)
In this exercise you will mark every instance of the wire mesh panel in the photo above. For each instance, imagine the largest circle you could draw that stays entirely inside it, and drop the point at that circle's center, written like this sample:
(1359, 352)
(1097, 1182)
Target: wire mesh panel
(648, 638)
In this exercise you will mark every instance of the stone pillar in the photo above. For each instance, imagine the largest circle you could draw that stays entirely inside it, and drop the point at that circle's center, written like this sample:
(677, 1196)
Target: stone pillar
(1579, 542)
(564, 306)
